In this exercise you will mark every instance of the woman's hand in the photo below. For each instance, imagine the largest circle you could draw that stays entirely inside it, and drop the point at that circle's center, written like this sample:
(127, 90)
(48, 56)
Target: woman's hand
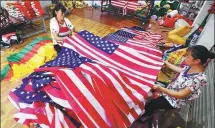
(74, 30)
(156, 87)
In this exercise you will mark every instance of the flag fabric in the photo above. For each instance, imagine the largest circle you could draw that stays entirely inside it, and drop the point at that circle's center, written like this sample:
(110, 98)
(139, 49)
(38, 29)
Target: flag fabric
(41, 87)
(116, 38)
(35, 54)
(120, 4)
(79, 87)
(91, 90)
(134, 36)
(123, 58)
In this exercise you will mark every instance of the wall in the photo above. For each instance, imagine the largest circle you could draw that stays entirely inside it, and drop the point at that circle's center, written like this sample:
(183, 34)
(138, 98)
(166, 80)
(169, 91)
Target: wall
(207, 36)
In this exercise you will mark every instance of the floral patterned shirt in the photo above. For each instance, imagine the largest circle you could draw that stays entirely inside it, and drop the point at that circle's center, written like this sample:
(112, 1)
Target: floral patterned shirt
(193, 81)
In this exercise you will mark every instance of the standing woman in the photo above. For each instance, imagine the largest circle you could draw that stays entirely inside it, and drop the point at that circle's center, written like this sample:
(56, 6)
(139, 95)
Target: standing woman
(60, 26)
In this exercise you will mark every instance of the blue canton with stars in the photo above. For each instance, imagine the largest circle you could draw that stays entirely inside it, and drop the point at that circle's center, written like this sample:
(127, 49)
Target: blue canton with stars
(67, 58)
(125, 34)
(30, 96)
(98, 42)
(116, 37)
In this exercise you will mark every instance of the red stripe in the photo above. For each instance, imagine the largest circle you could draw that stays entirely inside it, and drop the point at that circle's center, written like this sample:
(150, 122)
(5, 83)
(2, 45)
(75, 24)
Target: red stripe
(82, 99)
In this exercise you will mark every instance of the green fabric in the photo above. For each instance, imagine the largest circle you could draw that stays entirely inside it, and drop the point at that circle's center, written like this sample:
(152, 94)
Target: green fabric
(174, 5)
(140, 14)
(17, 56)
(5, 71)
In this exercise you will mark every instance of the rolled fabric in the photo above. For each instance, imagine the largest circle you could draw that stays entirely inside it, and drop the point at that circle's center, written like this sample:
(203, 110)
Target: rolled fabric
(172, 14)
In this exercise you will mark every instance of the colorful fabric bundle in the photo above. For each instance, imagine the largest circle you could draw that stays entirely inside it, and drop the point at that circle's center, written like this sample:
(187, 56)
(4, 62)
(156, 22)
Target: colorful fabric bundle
(39, 11)
(30, 57)
(176, 56)
(181, 31)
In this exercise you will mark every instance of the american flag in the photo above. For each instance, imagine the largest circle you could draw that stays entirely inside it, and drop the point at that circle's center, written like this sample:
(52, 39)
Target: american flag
(139, 42)
(115, 38)
(85, 93)
(124, 59)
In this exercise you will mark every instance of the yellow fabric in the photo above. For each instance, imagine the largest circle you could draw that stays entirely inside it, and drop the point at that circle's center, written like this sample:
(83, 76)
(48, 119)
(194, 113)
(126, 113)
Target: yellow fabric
(176, 39)
(181, 31)
(44, 54)
(176, 58)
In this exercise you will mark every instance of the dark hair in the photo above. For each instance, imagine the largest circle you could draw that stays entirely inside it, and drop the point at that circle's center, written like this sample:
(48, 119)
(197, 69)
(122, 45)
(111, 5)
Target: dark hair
(201, 52)
(58, 7)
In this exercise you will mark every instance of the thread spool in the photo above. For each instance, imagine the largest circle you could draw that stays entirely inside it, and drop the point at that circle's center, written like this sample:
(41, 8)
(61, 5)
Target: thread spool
(172, 14)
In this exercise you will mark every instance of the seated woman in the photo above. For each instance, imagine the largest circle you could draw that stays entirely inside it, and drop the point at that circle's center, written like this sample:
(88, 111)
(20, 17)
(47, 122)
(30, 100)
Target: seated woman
(60, 26)
(187, 86)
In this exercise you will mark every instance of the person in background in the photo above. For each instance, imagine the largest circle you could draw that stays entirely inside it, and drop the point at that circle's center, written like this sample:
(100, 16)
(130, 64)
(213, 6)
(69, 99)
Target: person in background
(186, 87)
(60, 26)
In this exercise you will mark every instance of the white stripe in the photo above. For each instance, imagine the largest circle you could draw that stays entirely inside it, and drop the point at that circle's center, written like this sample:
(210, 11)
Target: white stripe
(137, 61)
(110, 60)
(44, 126)
(24, 105)
(60, 101)
(84, 90)
(142, 57)
(57, 121)
(130, 118)
(119, 88)
(134, 92)
(49, 113)
(25, 116)
(144, 47)
(13, 102)
(61, 118)
(91, 70)
(79, 104)
(145, 88)
(106, 63)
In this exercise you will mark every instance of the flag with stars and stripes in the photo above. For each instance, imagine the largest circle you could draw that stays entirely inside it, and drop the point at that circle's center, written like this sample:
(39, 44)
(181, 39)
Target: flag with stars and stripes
(126, 59)
(135, 36)
(115, 38)
(64, 92)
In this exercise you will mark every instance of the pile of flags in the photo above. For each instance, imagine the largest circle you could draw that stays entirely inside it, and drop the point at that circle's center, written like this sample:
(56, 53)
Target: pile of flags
(25, 9)
(79, 87)
(134, 36)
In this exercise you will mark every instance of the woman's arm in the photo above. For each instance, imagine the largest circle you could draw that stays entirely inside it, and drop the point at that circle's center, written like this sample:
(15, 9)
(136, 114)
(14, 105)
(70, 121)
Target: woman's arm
(173, 67)
(56, 37)
(178, 95)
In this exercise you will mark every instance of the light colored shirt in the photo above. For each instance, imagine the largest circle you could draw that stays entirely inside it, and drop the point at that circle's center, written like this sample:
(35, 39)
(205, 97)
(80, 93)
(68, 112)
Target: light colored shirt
(195, 82)
(54, 26)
